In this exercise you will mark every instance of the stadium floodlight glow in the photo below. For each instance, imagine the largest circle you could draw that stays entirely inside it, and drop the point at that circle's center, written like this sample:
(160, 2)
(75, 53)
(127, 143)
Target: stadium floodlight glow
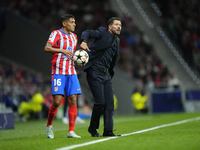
(143, 14)
(159, 13)
(136, 3)
(164, 37)
(153, 5)
(194, 77)
(167, 41)
(119, 2)
(173, 49)
(170, 45)
(191, 73)
(151, 25)
(156, 9)
(146, 18)
(162, 33)
(123, 7)
(198, 81)
(176, 53)
(182, 61)
(140, 9)
(159, 29)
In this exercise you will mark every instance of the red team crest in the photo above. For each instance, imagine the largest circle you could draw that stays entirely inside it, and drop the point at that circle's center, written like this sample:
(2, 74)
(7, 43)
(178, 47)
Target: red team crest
(55, 89)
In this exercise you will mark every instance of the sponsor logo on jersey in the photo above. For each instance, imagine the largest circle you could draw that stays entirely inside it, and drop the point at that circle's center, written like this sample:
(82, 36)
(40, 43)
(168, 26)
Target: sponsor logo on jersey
(69, 48)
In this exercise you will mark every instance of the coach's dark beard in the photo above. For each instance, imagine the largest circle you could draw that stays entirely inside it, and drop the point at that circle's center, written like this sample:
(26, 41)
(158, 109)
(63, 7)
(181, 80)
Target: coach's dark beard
(115, 33)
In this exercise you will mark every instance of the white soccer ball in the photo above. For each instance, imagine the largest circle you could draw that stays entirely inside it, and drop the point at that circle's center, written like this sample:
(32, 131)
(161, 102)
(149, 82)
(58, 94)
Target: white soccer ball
(80, 58)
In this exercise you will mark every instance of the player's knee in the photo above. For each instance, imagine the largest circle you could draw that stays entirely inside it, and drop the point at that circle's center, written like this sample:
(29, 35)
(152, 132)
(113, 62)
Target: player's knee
(56, 104)
(57, 100)
(72, 100)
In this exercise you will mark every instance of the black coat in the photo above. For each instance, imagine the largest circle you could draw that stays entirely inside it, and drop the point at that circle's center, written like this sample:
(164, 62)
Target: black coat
(101, 41)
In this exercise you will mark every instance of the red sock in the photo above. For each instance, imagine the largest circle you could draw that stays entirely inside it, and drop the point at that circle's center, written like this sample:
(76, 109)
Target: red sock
(72, 113)
(51, 115)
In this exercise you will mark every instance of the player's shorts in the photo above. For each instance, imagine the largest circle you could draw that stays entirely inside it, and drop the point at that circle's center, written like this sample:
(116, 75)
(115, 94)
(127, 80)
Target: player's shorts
(68, 83)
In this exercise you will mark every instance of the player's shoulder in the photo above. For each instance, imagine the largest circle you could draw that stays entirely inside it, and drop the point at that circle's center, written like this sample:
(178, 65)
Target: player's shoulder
(55, 33)
(73, 34)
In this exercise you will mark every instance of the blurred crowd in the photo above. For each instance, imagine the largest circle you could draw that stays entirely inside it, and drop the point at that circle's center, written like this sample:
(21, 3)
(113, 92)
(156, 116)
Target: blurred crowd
(138, 58)
(19, 84)
(182, 21)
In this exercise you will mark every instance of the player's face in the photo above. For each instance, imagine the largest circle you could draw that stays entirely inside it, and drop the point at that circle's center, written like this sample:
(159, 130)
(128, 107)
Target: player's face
(70, 25)
(116, 27)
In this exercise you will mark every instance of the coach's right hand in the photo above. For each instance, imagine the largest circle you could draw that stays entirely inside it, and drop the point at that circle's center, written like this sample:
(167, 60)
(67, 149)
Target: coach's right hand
(84, 46)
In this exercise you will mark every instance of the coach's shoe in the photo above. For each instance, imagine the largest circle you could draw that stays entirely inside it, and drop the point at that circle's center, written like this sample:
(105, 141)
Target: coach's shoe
(106, 133)
(72, 134)
(94, 132)
(50, 132)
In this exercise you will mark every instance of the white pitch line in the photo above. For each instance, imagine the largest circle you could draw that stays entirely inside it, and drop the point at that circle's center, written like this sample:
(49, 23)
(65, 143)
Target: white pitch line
(141, 131)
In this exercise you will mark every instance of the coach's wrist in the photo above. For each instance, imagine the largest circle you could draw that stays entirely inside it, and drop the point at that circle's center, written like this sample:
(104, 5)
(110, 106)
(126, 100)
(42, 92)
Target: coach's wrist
(84, 41)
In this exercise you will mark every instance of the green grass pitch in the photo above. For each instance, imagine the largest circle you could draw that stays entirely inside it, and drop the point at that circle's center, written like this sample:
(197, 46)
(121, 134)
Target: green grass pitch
(31, 135)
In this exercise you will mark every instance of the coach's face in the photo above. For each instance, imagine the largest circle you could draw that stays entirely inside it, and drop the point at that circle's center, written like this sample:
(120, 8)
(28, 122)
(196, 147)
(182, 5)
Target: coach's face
(70, 25)
(116, 27)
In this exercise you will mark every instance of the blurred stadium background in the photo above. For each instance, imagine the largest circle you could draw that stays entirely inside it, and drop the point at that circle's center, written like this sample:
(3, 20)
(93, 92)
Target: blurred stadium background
(158, 70)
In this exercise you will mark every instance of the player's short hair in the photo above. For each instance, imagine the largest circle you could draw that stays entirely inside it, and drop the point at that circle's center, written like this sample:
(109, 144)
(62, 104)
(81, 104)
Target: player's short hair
(111, 20)
(66, 17)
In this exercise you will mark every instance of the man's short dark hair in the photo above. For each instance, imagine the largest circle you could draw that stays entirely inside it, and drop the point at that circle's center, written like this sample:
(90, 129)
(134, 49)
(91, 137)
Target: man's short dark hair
(111, 20)
(66, 17)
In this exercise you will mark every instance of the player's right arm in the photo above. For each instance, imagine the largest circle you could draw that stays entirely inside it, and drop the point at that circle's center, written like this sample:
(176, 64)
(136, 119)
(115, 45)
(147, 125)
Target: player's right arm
(50, 46)
(50, 49)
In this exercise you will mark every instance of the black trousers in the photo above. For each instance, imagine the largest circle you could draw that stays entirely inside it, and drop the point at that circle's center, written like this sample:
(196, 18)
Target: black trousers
(102, 89)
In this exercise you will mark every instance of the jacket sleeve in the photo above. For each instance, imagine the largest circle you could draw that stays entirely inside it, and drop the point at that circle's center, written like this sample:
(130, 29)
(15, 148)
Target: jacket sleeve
(92, 34)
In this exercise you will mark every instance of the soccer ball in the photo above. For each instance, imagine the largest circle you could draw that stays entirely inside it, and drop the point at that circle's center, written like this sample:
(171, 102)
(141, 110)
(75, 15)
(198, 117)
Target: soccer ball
(80, 58)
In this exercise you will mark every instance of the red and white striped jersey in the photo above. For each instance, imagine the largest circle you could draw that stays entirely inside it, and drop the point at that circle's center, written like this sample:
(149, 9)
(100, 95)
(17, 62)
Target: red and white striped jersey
(60, 64)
